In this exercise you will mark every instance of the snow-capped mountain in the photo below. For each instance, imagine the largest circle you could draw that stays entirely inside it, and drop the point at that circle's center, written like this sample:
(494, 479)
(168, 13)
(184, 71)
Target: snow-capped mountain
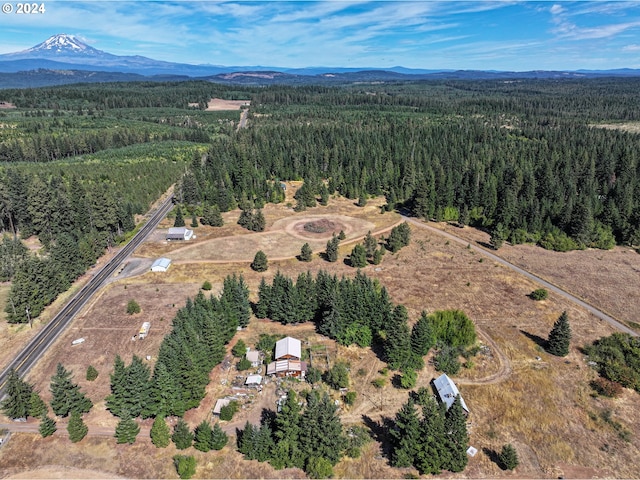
(63, 44)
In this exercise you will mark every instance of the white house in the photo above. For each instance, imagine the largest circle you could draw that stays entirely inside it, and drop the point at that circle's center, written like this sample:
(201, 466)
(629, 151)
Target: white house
(179, 233)
(161, 265)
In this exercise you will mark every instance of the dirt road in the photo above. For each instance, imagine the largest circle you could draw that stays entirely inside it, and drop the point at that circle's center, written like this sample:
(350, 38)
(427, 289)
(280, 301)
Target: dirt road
(590, 308)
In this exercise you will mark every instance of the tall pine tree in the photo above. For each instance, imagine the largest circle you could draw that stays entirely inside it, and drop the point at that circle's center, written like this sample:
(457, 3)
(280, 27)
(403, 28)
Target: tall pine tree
(560, 336)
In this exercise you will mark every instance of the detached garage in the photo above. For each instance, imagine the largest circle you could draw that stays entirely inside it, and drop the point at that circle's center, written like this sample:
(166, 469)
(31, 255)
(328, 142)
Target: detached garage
(161, 265)
(179, 233)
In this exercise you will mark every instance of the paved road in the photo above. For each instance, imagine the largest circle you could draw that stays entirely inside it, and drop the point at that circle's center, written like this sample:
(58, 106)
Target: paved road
(590, 308)
(25, 359)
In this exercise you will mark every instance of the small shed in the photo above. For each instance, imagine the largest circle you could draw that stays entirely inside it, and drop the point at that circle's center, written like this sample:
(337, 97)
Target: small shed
(288, 349)
(253, 380)
(221, 402)
(161, 265)
(254, 357)
(179, 233)
(447, 391)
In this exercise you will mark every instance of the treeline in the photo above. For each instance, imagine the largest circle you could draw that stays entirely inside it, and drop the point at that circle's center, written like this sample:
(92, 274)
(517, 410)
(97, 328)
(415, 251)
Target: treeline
(311, 438)
(489, 159)
(427, 436)
(358, 310)
(76, 211)
(196, 343)
(106, 96)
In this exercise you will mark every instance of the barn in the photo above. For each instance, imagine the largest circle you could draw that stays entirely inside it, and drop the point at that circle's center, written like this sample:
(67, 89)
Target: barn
(161, 265)
(179, 233)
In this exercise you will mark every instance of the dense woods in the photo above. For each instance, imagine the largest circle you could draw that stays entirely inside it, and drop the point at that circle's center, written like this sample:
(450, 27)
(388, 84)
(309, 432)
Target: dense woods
(525, 160)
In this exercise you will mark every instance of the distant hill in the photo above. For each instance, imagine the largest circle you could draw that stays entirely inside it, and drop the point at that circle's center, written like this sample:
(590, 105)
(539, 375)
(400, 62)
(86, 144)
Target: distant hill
(64, 59)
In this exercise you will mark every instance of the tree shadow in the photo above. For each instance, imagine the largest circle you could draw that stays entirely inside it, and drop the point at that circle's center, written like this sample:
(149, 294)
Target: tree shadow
(486, 245)
(493, 456)
(380, 432)
(541, 342)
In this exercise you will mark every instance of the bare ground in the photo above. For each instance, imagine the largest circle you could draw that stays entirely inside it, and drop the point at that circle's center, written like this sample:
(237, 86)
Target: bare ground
(516, 392)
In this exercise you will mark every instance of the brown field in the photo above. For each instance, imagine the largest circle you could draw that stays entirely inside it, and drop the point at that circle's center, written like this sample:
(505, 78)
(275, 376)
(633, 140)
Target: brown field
(632, 127)
(216, 104)
(516, 392)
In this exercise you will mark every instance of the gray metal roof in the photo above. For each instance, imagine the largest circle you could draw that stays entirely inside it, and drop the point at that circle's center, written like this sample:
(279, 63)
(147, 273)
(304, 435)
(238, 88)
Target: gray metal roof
(447, 391)
(288, 346)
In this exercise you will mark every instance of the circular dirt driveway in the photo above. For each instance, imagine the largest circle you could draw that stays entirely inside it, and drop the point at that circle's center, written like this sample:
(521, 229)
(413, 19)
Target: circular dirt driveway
(282, 240)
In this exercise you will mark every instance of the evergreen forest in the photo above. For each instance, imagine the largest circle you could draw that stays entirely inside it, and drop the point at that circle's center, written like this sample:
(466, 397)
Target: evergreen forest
(526, 160)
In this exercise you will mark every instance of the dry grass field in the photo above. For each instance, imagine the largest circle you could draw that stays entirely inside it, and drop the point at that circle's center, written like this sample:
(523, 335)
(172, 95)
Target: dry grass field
(516, 392)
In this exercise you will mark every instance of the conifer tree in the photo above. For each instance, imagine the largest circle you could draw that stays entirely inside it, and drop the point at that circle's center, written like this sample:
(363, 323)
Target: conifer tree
(202, 436)
(287, 433)
(76, 427)
(92, 373)
(194, 221)
(211, 216)
(160, 433)
(560, 336)
(66, 395)
(306, 253)
(508, 457)
(127, 430)
(331, 252)
(182, 436)
(264, 299)
(218, 438)
(321, 430)
(397, 346)
(405, 436)
(358, 257)
(370, 245)
(260, 262)
(37, 407)
(185, 465)
(432, 452)
(258, 222)
(377, 256)
(179, 222)
(457, 437)
(47, 426)
(18, 397)
(422, 336)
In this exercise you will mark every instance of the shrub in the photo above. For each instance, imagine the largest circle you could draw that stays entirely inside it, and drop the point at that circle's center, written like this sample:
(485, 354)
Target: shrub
(243, 364)
(228, 411)
(206, 285)
(318, 467)
(446, 360)
(133, 307)
(350, 398)
(92, 373)
(185, 465)
(606, 387)
(239, 349)
(408, 379)
(539, 294)
(338, 376)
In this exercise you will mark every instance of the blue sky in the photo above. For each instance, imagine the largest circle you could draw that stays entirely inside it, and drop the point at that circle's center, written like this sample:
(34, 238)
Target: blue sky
(480, 34)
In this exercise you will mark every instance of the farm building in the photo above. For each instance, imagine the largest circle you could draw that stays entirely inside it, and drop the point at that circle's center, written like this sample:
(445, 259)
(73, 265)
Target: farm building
(253, 380)
(288, 348)
(447, 391)
(287, 359)
(161, 265)
(179, 233)
(254, 357)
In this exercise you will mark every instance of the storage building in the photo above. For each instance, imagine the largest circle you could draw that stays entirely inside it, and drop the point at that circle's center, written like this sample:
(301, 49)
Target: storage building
(161, 265)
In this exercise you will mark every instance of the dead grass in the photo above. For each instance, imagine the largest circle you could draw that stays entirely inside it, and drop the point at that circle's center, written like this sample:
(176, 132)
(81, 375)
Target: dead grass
(543, 406)
(217, 104)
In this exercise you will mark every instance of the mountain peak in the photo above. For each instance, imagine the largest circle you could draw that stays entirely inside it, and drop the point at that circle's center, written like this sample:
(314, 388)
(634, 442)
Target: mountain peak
(63, 44)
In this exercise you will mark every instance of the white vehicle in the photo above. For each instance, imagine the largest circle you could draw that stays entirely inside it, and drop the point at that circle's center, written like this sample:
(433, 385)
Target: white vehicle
(77, 341)
(144, 330)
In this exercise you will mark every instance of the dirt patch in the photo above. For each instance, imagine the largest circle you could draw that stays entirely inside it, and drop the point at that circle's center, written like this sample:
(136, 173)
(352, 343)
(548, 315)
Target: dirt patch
(217, 104)
(4, 105)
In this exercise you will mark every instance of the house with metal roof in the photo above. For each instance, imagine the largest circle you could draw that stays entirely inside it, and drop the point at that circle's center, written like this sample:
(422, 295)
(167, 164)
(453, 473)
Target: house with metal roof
(447, 391)
(179, 233)
(287, 359)
(161, 265)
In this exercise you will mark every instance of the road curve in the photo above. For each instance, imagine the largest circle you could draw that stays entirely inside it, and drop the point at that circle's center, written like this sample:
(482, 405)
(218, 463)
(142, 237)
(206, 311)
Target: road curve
(590, 308)
(26, 358)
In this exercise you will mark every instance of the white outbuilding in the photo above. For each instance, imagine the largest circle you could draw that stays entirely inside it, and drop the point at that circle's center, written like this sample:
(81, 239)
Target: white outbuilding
(179, 233)
(447, 391)
(161, 265)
